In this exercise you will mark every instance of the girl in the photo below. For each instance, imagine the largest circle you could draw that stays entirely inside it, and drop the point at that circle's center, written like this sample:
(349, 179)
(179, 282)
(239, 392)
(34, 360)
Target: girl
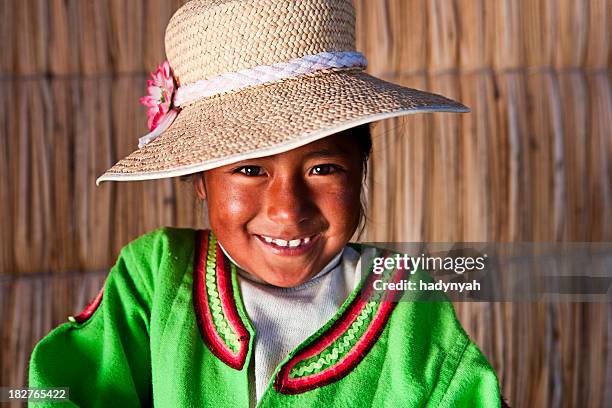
(266, 103)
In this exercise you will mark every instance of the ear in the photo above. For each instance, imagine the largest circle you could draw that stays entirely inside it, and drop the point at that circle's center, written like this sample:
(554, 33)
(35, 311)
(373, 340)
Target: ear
(200, 187)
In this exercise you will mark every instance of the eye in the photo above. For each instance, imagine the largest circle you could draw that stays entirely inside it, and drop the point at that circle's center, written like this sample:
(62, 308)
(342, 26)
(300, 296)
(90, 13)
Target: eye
(324, 169)
(250, 171)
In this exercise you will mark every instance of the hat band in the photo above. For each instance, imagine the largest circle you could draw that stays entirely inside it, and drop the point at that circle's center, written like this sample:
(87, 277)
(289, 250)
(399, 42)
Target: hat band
(263, 74)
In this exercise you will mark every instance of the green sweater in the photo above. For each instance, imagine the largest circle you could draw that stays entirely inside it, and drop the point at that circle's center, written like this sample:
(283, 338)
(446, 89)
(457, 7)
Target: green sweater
(169, 329)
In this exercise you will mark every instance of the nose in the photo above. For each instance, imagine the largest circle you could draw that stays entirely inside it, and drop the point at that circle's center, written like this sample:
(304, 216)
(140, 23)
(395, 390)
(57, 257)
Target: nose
(288, 200)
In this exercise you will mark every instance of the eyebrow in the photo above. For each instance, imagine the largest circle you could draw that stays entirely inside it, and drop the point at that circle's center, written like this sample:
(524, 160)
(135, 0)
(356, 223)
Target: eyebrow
(323, 153)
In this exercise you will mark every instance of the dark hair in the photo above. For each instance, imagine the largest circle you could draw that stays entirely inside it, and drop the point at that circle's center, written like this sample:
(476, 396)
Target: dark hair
(363, 138)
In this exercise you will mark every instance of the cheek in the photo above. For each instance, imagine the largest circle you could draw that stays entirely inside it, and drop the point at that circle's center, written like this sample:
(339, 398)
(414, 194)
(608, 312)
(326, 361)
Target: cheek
(229, 207)
(341, 208)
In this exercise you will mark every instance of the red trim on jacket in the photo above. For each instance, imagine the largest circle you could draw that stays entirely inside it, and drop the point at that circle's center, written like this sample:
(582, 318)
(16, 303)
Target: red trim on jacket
(208, 331)
(90, 308)
(286, 385)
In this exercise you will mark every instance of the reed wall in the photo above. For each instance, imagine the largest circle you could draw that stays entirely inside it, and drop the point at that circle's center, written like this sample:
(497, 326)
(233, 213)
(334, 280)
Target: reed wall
(532, 162)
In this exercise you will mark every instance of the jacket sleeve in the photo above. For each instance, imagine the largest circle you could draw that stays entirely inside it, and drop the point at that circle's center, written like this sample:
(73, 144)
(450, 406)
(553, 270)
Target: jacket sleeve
(474, 383)
(104, 360)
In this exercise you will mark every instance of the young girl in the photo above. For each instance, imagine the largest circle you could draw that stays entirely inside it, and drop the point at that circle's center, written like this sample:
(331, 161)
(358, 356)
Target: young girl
(266, 103)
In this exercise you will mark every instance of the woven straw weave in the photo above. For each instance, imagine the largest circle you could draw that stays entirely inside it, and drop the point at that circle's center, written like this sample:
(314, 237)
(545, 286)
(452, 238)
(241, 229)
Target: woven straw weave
(208, 38)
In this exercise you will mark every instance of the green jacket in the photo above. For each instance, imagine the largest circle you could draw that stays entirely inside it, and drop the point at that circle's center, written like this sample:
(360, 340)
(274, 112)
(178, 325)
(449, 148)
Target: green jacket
(169, 329)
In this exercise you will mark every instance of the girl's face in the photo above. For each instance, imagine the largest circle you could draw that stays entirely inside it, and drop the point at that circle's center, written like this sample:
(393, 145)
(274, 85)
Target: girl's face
(284, 217)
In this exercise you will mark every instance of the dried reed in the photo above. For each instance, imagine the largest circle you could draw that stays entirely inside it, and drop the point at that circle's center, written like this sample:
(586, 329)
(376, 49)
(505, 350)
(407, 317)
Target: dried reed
(7, 33)
(94, 36)
(474, 46)
(599, 156)
(598, 32)
(157, 13)
(478, 166)
(92, 154)
(533, 161)
(571, 31)
(413, 167)
(572, 94)
(127, 35)
(31, 206)
(128, 120)
(506, 33)
(538, 31)
(6, 223)
(64, 256)
(445, 204)
(443, 36)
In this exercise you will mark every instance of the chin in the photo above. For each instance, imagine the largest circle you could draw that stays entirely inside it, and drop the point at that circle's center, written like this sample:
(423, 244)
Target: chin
(284, 276)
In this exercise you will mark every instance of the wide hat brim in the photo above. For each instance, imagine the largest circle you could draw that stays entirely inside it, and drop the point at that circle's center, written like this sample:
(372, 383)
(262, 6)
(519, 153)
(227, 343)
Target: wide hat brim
(270, 119)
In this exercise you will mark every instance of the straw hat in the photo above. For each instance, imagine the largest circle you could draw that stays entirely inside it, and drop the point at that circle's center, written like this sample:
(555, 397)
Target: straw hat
(252, 78)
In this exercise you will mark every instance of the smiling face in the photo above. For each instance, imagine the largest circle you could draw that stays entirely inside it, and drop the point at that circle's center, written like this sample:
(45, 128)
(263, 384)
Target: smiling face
(284, 217)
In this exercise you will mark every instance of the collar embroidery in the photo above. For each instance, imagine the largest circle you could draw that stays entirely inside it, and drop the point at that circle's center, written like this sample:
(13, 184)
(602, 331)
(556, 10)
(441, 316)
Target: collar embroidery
(328, 357)
(333, 354)
(220, 325)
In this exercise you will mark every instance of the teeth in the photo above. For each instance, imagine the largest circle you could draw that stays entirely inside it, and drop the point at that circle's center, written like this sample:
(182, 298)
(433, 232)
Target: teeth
(283, 243)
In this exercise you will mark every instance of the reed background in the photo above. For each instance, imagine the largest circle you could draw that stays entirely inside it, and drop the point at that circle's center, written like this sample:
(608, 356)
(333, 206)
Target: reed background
(532, 162)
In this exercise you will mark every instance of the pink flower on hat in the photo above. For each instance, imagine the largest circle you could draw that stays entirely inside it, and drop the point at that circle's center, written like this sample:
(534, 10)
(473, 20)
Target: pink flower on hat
(160, 91)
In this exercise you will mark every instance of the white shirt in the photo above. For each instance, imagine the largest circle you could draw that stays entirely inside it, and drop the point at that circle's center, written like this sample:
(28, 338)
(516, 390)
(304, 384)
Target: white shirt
(284, 317)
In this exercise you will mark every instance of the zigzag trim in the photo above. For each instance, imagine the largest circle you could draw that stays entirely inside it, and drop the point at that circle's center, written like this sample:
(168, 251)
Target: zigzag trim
(336, 352)
(219, 323)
